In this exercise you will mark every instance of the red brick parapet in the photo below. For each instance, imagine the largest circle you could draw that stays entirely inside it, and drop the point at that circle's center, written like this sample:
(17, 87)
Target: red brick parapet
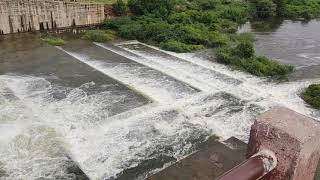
(295, 140)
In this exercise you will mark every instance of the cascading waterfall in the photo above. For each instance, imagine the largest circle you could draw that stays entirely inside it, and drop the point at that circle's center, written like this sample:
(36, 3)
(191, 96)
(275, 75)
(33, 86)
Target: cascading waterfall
(96, 126)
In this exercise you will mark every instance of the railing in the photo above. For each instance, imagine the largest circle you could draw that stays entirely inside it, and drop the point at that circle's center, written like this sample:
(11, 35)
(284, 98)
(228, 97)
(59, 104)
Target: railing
(253, 168)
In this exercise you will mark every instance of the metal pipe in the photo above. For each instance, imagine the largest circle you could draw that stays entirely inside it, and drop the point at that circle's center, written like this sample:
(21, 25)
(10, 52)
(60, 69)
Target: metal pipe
(253, 168)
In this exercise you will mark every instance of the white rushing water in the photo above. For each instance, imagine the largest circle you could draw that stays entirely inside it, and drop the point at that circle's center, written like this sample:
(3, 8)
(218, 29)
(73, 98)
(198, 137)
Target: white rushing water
(29, 148)
(193, 98)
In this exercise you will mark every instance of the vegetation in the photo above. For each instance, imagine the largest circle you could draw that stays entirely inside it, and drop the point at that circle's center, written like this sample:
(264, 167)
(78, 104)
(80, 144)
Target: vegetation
(54, 41)
(99, 35)
(191, 25)
(242, 56)
(181, 25)
(264, 8)
(306, 9)
(104, 1)
(293, 9)
(120, 8)
(176, 46)
(312, 95)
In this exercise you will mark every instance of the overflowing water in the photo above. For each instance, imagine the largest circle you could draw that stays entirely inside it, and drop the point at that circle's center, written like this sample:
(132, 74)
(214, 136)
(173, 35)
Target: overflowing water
(126, 110)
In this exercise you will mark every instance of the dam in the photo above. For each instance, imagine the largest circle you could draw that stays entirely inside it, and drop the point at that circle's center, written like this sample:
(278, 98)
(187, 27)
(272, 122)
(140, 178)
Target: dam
(34, 15)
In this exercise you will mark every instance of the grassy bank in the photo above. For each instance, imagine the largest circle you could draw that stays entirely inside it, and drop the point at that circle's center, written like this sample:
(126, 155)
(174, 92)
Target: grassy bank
(312, 95)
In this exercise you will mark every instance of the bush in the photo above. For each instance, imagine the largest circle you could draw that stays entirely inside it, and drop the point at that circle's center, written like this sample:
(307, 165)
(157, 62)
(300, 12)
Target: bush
(262, 66)
(265, 8)
(120, 8)
(208, 4)
(242, 37)
(54, 41)
(116, 23)
(306, 9)
(244, 49)
(176, 46)
(98, 35)
(215, 39)
(312, 95)
(160, 8)
(225, 26)
(242, 56)
(235, 12)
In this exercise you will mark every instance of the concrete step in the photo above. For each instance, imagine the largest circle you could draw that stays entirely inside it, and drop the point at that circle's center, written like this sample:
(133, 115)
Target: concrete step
(213, 159)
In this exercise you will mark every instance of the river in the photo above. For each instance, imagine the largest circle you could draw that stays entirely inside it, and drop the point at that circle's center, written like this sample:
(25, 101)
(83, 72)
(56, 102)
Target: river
(123, 110)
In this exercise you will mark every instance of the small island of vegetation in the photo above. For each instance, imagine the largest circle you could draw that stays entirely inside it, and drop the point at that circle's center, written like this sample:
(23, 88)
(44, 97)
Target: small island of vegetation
(54, 41)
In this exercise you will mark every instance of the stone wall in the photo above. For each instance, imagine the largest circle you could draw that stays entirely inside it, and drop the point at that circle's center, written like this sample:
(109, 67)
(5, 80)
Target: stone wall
(30, 15)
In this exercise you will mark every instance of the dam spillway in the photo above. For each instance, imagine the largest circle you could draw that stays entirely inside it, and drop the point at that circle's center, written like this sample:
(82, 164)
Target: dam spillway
(111, 107)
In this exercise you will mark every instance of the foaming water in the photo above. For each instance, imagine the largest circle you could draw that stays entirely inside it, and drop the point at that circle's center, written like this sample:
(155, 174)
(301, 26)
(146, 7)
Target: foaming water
(172, 131)
(48, 122)
(29, 149)
(263, 92)
(158, 87)
(69, 114)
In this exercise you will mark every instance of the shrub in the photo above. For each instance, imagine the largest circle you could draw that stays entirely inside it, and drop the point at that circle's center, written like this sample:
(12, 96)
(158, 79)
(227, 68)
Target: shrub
(225, 26)
(116, 23)
(236, 12)
(262, 66)
(303, 8)
(244, 49)
(54, 41)
(208, 4)
(215, 39)
(120, 8)
(265, 8)
(98, 35)
(243, 37)
(160, 8)
(312, 95)
(242, 56)
(176, 46)
(224, 55)
(132, 31)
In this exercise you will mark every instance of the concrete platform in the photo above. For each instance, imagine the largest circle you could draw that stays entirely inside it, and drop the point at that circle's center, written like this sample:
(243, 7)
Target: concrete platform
(211, 161)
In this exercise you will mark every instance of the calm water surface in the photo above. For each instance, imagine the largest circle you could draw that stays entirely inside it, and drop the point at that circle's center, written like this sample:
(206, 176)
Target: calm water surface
(290, 42)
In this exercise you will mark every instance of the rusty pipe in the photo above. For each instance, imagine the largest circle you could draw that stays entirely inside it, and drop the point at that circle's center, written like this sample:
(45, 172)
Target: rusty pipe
(253, 168)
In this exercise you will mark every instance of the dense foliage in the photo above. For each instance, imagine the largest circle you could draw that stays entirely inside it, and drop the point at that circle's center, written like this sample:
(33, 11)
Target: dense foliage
(243, 57)
(302, 9)
(120, 8)
(99, 35)
(264, 8)
(54, 41)
(306, 9)
(181, 25)
(312, 95)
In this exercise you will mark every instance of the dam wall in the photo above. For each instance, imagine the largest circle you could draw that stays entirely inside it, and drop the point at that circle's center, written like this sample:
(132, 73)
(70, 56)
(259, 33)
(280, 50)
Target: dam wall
(33, 15)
